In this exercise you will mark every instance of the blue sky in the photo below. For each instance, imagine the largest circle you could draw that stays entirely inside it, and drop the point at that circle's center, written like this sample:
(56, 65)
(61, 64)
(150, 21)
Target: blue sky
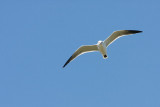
(38, 36)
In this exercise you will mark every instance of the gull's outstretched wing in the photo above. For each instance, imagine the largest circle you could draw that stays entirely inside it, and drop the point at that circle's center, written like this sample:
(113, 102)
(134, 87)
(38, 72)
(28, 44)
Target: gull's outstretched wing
(81, 50)
(118, 34)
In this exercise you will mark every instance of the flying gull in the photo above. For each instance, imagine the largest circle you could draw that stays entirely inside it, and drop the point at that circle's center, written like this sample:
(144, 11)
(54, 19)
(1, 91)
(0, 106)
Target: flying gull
(101, 45)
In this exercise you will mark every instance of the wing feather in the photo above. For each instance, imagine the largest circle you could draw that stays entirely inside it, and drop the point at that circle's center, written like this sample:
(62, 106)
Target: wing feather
(81, 50)
(115, 35)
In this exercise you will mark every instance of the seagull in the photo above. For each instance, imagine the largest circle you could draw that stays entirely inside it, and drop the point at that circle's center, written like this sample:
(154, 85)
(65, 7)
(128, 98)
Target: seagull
(101, 45)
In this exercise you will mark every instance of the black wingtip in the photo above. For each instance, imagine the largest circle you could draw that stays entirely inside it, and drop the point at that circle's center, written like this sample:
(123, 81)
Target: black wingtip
(63, 66)
(135, 31)
(67, 61)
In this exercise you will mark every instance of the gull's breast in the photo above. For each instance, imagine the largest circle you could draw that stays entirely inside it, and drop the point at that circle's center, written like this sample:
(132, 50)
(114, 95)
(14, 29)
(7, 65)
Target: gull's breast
(102, 49)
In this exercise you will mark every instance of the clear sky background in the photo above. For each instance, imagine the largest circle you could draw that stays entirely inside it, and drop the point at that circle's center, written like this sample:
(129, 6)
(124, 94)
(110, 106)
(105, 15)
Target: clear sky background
(38, 36)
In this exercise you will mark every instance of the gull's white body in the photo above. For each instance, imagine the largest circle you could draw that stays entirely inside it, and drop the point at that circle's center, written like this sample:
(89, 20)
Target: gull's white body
(102, 48)
(101, 45)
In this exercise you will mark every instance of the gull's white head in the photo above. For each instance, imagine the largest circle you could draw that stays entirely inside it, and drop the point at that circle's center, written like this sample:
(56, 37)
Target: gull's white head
(100, 42)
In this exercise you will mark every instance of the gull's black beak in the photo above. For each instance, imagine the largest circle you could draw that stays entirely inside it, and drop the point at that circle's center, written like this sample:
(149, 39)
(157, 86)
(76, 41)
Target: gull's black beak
(105, 56)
